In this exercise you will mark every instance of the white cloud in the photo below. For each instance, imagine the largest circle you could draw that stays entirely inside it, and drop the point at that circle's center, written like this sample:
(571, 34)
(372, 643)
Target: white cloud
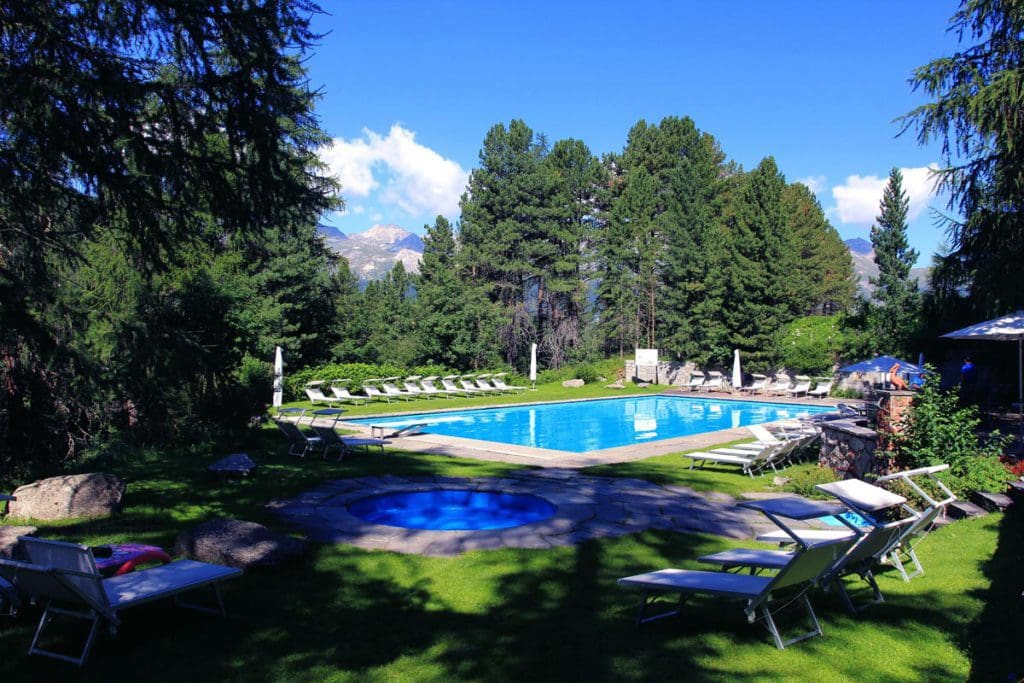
(857, 200)
(357, 209)
(398, 170)
(815, 183)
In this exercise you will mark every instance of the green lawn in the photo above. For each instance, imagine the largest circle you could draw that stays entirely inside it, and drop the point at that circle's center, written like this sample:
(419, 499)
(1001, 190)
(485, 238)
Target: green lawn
(348, 614)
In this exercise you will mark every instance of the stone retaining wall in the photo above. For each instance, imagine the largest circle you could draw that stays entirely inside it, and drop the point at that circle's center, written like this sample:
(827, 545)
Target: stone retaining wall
(666, 372)
(849, 449)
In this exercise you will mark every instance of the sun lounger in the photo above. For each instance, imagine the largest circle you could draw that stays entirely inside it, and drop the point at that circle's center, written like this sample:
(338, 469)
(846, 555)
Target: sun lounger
(449, 384)
(763, 594)
(802, 386)
(483, 383)
(498, 380)
(715, 382)
(388, 385)
(316, 395)
(697, 379)
(758, 384)
(339, 388)
(428, 386)
(331, 440)
(926, 518)
(749, 463)
(821, 389)
(63, 578)
(300, 443)
(779, 385)
(415, 390)
(466, 382)
(373, 393)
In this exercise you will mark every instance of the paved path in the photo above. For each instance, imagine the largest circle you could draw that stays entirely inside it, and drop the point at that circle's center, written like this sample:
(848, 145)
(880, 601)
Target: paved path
(588, 507)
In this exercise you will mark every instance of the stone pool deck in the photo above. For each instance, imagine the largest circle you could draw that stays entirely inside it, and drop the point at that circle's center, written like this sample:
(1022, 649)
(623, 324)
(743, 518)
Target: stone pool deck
(588, 508)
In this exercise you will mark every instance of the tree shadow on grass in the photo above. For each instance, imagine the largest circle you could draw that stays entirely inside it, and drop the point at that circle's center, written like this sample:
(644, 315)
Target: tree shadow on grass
(994, 639)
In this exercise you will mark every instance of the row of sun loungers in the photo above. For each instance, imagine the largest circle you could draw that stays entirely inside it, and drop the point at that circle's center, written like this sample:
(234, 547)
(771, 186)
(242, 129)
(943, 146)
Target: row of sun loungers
(412, 387)
(769, 451)
(780, 385)
(808, 558)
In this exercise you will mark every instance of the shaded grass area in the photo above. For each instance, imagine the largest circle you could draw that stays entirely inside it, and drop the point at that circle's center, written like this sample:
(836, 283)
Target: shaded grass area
(347, 614)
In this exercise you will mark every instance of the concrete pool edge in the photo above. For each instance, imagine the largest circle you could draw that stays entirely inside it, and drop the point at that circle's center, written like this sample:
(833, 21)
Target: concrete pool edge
(437, 444)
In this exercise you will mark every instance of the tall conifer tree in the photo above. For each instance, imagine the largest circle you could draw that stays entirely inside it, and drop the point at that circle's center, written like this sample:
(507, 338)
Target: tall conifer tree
(894, 316)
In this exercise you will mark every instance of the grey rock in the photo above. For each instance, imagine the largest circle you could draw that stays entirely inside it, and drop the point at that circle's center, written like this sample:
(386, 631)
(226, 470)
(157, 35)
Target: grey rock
(9, 539)
(68, 497)
(236, 463)
(573, 383)
(237, 543)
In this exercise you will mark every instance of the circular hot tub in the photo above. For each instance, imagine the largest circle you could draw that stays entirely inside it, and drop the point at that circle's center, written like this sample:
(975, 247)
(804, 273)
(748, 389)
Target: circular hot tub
(452, 509)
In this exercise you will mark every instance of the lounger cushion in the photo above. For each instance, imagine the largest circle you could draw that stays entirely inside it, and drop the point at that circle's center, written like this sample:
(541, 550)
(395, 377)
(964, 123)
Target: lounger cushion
(720, 457)
(158, 582)
(686, 580)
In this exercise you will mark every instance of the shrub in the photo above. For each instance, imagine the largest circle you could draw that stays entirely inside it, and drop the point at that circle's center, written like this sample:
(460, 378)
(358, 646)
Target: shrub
(803, 482)
(357, 372)
(810, 345)
(939, 430)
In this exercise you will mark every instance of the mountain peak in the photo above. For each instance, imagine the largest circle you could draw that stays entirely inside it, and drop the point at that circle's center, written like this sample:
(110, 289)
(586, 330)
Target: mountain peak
(859, 245)
(384, 234)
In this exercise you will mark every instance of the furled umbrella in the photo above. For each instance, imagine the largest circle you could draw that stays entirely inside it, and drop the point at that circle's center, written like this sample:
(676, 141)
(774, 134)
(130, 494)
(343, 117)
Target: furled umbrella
(533, 366)
(737, 376)
(278, 377)
(1007, 328)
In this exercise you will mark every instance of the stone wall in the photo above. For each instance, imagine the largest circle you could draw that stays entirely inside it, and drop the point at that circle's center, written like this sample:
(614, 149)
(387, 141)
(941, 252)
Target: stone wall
(849, 449)
(666, 372)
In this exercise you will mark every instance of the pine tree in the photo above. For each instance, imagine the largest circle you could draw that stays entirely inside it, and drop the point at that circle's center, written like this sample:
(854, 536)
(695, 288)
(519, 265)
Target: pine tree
(897, 302)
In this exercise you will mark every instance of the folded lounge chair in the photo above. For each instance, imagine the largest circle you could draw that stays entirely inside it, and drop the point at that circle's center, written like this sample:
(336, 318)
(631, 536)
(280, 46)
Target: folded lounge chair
(63, 577)
(926, 518)
(762, 593)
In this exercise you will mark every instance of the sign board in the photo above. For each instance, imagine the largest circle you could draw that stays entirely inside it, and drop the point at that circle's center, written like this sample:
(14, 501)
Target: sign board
(647, 356)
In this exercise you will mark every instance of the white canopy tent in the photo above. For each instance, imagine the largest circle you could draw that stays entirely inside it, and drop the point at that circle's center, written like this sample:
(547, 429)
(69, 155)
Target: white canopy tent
(1007, 328)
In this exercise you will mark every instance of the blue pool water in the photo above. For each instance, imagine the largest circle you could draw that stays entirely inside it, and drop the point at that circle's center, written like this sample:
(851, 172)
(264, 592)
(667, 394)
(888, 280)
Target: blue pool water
(584, 426)
(452, 509)
(850, 516)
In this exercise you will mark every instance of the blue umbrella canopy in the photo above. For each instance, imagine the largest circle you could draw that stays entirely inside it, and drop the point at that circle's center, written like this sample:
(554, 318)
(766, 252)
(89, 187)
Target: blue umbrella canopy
(882, 364)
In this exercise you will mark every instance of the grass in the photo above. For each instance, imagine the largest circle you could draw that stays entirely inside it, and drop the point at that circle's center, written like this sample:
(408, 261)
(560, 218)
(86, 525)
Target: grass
(345, 614)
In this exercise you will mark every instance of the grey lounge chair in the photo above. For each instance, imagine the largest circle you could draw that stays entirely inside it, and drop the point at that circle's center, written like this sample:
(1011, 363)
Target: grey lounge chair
(715, 382)
(63, 577)
(331, 440)
(761, 593)
(757, 384)
(802, 386)
(300, 443)
(696, 381)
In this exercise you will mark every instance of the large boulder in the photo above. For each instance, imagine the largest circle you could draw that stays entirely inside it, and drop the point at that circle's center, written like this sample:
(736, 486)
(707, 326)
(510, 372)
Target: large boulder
(67, 497)
(573, 383)
(236, 543)
(9, 540)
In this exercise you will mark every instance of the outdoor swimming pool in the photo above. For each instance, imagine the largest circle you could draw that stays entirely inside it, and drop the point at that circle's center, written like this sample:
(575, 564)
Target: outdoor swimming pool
(584, 426)
(452, 509)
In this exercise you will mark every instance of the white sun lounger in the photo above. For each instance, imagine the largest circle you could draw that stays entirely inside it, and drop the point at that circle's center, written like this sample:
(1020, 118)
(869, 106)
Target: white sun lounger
(373, 392)
(428, 386)
(749, 463)
(316, 395)
(758, 384)
(63, 577)
(499, 381)
(802, 386)
(926, 518)
(822, 388)
(389, 387)
(449, 384)
(339, 388)
(779, 385)
(715, 382)
(697, 379)
(762, 594)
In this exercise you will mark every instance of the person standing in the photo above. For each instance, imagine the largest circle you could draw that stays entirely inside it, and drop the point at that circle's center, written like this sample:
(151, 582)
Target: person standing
(968, 380)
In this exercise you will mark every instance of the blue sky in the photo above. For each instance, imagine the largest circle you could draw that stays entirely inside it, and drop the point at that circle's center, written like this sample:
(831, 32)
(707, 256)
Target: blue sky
(411, 88)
